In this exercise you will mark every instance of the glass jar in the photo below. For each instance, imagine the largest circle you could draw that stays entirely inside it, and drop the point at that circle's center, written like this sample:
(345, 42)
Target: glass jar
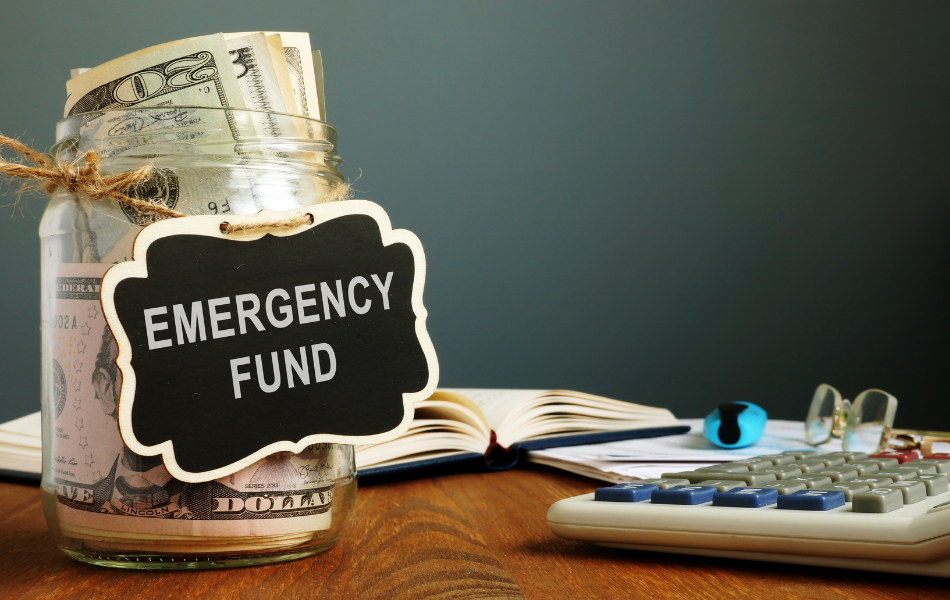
(104, 504)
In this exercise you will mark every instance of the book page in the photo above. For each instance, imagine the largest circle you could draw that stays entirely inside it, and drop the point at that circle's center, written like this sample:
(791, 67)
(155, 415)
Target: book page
(446, 423)
(28, 425)
(21, 444)
(497, 404)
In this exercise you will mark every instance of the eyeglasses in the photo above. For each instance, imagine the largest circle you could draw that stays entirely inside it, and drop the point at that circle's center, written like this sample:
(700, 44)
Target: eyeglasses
(865, 425)
(860, 424)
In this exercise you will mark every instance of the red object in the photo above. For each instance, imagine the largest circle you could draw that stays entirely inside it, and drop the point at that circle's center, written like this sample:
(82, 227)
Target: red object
(901, 457)
(939, 455)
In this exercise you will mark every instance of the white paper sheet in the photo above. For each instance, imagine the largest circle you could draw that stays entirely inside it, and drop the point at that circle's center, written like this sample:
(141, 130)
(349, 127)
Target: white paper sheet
(647, 458)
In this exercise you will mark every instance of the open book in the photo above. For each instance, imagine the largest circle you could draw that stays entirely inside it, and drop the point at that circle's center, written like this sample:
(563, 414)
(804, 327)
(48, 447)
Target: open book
(494, 426)
(452, 426)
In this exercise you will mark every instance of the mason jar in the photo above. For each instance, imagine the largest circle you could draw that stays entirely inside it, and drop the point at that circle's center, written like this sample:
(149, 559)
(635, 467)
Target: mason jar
(105, 504)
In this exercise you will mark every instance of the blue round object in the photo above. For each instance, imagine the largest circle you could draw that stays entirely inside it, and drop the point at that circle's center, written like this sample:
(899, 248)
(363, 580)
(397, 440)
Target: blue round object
(735, 425)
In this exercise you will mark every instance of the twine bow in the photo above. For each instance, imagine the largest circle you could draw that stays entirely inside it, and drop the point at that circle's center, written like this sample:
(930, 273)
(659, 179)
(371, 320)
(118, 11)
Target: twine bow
(85, 179)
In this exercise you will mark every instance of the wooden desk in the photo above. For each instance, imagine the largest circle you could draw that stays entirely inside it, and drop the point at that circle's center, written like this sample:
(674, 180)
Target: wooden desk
(456, 536)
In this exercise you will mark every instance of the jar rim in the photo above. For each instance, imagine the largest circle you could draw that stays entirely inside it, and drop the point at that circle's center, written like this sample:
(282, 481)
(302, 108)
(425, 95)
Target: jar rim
(133, 132)
(192, 107)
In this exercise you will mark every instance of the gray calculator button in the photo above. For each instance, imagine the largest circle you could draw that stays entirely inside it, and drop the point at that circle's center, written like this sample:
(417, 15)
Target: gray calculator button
(665, 484)
(880, 500)
(941, 464)
(783, 472)
(786, 487)
(936, 484)
(914, 491)
(754, 464)
(850, 456)
(779, 460)
(849, 489)
(885, 462)
(801, 454)
(812, 481)
(873, 482)
(807, 466)
(750, 479)
(692, 477)
(733, 467)
(838, 474)
(898, 474)
(721, 485)
(831, 460)
(863, 467)
(922, 469)
(726, 468)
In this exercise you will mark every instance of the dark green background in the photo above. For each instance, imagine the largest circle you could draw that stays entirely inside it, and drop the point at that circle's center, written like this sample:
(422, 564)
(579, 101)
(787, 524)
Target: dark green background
(675, 203)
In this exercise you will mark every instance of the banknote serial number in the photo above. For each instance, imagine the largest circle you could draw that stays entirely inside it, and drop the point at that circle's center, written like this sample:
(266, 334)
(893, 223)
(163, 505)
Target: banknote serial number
(261, 486)
(65, 322)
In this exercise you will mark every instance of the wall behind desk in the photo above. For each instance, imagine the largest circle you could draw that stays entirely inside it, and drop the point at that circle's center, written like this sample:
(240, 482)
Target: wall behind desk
(674, 203)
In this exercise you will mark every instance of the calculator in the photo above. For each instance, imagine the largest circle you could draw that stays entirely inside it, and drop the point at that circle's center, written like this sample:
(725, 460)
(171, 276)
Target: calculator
(885, 512)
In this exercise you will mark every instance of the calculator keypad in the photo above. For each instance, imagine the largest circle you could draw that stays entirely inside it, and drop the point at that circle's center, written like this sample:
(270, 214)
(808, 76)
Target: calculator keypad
(798, 480)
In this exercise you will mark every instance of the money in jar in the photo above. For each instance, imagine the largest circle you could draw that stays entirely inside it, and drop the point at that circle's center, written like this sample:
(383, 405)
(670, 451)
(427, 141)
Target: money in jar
(105, 504)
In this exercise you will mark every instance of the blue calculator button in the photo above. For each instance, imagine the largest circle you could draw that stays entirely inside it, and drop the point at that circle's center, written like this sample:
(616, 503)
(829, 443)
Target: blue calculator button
(812, 500)
(684, 494)
(746, 497)
(625, 492)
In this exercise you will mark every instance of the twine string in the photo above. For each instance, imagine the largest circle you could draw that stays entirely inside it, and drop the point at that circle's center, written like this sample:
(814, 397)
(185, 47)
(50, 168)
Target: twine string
(296, 221)
(80, 179)
(87, 179)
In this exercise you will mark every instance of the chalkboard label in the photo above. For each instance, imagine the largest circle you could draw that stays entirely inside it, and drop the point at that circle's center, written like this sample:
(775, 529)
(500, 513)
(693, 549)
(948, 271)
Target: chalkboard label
(235, 346)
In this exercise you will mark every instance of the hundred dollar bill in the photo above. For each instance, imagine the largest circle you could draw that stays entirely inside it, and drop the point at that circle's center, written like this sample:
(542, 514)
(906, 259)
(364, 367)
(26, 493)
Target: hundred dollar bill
(105, 492)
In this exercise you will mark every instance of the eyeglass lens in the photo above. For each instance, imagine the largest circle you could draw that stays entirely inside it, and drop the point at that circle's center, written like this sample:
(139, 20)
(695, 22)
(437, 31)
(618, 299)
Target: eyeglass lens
(872, 411)
(821, 415)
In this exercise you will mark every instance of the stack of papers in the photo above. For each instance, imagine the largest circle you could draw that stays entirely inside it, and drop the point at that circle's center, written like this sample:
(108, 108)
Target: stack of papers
(21, 447)
(648, 458)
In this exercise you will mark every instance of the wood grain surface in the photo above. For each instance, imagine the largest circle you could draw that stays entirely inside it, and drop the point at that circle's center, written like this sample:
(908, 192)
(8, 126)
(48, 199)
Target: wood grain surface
(455, 536)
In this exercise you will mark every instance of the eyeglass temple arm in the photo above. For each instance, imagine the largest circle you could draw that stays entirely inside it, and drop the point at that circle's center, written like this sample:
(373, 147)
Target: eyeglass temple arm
(906, 439)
